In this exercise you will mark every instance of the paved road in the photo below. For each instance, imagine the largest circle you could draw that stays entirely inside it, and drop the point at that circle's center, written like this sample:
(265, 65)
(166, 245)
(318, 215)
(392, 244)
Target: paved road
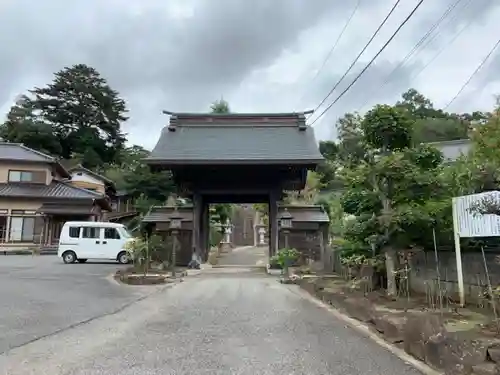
(40, 295)
(219, 324)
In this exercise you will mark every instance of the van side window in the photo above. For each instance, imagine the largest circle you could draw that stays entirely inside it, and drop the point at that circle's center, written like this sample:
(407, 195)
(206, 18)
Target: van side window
(111, 234)
(74, 232)
(90, 232)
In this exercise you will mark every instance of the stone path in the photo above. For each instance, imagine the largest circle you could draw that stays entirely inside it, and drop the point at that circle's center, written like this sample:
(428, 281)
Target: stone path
(245, 256)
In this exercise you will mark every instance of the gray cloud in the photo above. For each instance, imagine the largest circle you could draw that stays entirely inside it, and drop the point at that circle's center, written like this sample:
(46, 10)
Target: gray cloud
(183, 54)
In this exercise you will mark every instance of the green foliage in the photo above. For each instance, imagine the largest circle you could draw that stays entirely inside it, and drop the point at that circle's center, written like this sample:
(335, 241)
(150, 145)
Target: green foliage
(135, 177)
(358, 201)
(220, 106)
(285, 258)
(387, 128)
(328, 149)
(76, 115)
(398, 190)
(143, 250)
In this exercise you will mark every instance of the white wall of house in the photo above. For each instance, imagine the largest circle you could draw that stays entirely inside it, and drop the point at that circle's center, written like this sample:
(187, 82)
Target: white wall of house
(84, 177)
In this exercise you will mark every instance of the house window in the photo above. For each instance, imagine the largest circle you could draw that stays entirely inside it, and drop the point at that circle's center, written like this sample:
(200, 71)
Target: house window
(20, 176)
(3, 224)
(90, 232)
(22, 228)
(111, 234)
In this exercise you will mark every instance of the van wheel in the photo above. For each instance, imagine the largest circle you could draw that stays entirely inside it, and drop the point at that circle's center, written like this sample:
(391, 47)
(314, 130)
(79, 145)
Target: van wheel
(69, 257)
(123, 258)
(82, 260)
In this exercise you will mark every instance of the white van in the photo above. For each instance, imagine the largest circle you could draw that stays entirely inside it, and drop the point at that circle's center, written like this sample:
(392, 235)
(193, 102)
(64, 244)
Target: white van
(82, 240)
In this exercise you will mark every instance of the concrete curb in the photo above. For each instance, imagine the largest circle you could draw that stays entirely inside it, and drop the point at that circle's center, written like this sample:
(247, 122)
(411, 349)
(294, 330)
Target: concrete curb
(112, 280)
(366, 331)
(28, 252)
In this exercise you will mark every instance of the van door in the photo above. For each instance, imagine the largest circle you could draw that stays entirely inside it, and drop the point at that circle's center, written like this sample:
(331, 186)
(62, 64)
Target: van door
(112, 242)
(91, 242)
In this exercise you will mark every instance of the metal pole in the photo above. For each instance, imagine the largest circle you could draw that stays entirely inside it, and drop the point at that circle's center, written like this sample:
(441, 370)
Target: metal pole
(490, 289)
(436, 257)
(458, 253)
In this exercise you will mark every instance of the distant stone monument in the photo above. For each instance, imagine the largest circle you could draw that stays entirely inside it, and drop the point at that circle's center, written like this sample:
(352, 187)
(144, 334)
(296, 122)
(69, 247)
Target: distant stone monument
(262, 237)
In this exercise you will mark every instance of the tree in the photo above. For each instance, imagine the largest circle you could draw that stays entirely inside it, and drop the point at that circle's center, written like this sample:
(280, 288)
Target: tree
(137, 178)
(431, 124)
(485, 161)
(486, 138)
(350, 148)
(417, 105)
(84, 115)
(220, 106)
(387, 193)
(23, 126)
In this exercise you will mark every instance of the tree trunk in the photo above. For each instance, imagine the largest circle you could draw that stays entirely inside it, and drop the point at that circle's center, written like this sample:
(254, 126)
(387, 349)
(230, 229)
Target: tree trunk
(390, 266)
(391, 260)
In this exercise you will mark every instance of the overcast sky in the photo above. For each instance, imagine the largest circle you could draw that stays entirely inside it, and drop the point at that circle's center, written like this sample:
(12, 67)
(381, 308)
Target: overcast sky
(260, 55)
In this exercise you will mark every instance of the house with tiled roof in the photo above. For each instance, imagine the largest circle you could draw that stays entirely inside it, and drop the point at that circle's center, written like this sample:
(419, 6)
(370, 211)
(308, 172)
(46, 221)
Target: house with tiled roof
(37, 198)
(122, 204)
(87, 179)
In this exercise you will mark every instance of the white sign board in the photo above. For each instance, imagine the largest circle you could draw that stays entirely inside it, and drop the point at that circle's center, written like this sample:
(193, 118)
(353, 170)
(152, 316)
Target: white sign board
(469, 224)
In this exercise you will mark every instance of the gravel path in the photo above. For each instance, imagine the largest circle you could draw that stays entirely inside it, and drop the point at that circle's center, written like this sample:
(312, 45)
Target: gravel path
(229, 324)
(246, 256)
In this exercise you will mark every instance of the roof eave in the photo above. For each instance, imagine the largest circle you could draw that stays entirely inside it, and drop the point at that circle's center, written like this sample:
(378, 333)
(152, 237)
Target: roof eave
(177, 162)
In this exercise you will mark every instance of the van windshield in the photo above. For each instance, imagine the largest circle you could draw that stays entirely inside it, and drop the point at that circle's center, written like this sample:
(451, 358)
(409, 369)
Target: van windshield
(125, 232)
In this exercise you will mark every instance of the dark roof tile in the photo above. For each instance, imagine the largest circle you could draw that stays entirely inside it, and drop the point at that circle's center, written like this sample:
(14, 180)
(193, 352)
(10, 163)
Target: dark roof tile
(161, 214)
(55, 190)
(17, 151)
(236, 138)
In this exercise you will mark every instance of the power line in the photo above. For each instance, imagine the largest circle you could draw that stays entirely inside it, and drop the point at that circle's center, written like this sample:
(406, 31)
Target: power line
(473, 74)
(359, 55)
(448, 44)
(371, 61)
(419, 44)
(327, 58)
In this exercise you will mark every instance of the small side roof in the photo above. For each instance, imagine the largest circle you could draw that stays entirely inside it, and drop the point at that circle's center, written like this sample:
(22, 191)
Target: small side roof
(162, 214)
(236, 138)
(21, 153)
(305, 213)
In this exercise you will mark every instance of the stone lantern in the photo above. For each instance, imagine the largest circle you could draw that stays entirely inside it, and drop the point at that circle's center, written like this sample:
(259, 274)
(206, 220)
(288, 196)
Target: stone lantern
(286, 225)
(175, 226)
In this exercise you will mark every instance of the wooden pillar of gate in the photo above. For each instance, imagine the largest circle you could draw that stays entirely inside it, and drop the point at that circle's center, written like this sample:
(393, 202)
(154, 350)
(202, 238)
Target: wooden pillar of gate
(205, 229)
(197, 227)
(273, 223)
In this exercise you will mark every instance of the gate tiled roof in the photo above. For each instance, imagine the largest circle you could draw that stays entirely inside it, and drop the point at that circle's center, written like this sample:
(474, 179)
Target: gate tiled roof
(236, 138)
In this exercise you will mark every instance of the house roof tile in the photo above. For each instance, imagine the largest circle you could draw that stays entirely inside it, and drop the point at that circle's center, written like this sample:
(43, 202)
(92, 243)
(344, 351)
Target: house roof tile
(17, 151)
(56, 190)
